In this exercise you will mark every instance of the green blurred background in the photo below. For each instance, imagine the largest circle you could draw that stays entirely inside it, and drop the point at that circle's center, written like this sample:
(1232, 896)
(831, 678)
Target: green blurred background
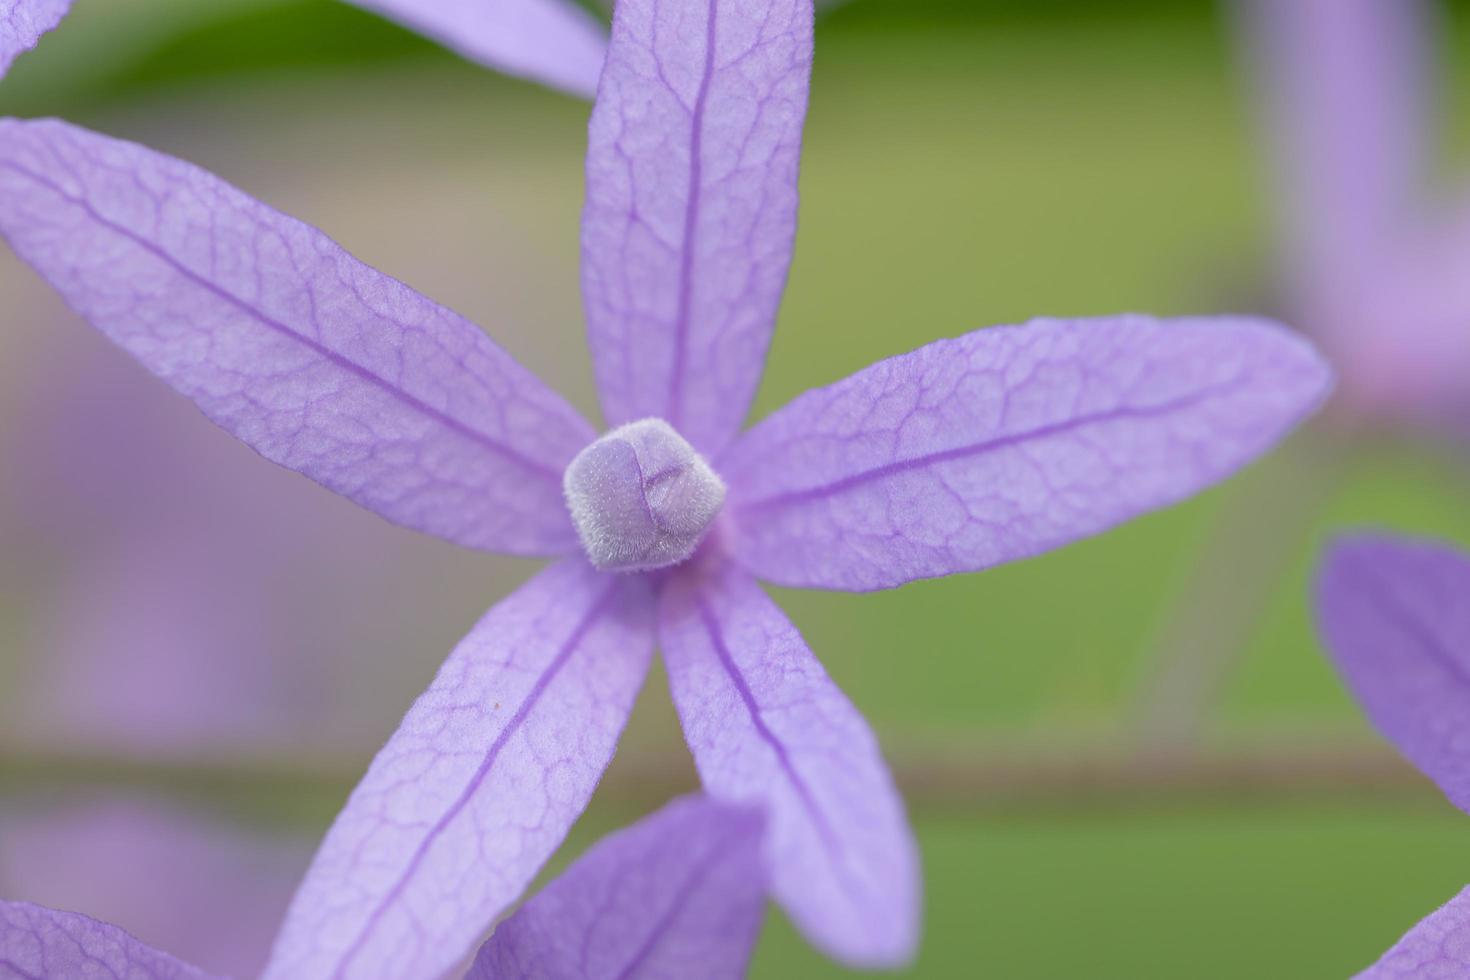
(967, 163)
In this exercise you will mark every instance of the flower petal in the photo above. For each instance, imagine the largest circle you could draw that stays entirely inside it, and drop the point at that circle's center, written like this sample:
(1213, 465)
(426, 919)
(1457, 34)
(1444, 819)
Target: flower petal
(1007, 442)
(550, 41)
(1395, 616)
(691, 206)
(41, 944)
(1345, 92)
(22, 22)
(679, 894)
(478, 786)
(768, 727)
(1439, 946)
(317, 361)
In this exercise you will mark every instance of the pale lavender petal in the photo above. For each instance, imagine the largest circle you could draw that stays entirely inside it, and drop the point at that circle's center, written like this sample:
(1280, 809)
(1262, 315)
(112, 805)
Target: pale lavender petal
(1344, 85)
(22, 22)
(41, 944)
(550, 41)
(1007, 442)
(677, 895)
(769, 728)
(1395, 616)
(479, 785)
(1436, 949)
(691, 206)
(317, 361)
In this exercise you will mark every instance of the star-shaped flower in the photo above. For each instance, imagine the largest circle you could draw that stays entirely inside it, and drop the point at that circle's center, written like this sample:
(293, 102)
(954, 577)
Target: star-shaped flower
(677, 895)
(1395, 616)
(964, 454)
(1374, 260)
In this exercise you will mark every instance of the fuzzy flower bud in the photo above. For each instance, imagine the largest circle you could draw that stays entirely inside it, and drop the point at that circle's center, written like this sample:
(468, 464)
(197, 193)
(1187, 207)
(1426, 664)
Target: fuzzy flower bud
(641, 497)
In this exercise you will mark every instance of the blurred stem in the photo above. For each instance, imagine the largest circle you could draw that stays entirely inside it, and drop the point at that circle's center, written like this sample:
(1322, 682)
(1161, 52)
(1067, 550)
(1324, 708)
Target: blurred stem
(973, 774)
(1204, 633)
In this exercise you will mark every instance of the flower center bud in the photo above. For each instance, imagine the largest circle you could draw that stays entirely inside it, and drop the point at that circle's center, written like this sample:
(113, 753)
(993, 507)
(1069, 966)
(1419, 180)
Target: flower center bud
(641, 497)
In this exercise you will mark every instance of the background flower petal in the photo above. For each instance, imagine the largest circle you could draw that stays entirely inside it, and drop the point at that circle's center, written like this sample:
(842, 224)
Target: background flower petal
(1345, 96)
(550, 41)
(691, 206)
(1006, 442)
(1437, 947)
(478, 786)
(679, 894)
(42, 943)
(22, 22)
(1395, 617)
(196, 883)
(317, 361)
(769, 728)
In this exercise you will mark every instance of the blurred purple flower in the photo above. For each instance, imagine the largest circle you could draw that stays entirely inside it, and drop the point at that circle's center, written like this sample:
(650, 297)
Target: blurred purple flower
(677, 895)
(1375, 266)
(1395, 616)
(210, 891)
(551, 41)
(168, 629)
(22, 22)
(956, 457)
(160, 630)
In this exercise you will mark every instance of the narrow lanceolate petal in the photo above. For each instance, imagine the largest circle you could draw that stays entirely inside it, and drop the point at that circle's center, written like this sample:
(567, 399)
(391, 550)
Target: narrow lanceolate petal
(550, 41)
(1007, 442)
(677, 895)
(1395, 616)
(41, 944)
(1343, 86)
(478, 786)
(1436, 949)
(319, 362)
(769, 728)
(691, 205)
(22, 22)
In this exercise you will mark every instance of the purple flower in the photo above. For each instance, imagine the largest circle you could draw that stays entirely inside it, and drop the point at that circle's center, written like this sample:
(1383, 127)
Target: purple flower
(206, 889)
(1395, 616)
(154, 628)
(680, 894)
(1374, 264)
(964, 454)
(22, 22)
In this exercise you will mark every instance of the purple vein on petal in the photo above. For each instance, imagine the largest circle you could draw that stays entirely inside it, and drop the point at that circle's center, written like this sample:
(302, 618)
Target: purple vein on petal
(769, 729)
(691, 217)
(717, 641)
(1006, 442)
(678, 894)
(988, 445)
(281, 328)
(687, 887)
(1378, 594)
(542, 683)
